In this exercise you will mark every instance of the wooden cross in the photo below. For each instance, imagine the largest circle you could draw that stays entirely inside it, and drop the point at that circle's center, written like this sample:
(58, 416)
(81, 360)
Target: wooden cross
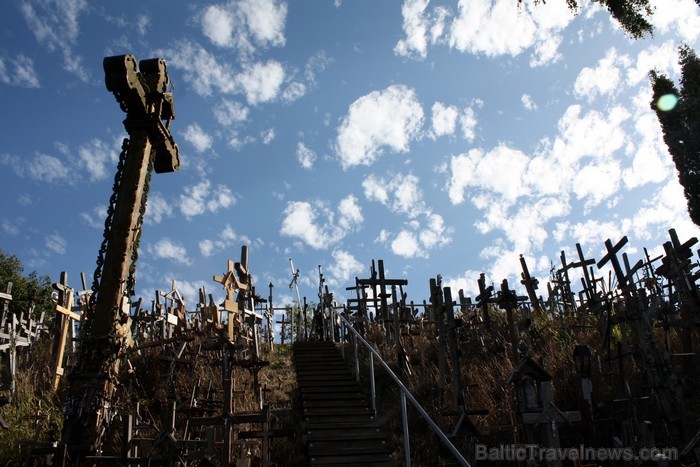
(6, 298)
(65, 316)
(484, 298)
(530, 284)
(147, 104)
(143, 96)
(231, 284)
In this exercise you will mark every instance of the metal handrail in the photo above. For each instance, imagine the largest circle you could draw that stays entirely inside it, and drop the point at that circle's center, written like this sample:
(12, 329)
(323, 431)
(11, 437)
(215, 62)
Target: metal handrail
(405, 394)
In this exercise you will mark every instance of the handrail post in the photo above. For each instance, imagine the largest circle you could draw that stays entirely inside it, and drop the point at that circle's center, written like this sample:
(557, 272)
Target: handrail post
(404, 419)
(342, 343)
(357, 360)
(371, 383)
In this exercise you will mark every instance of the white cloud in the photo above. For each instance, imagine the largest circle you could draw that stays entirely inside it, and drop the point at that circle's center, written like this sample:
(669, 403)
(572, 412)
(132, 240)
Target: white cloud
(200, 198)
(345, 266)
(202, 70)
(56, 243)
(142, 23)
(265, 20)
(225, 240)
(406, 244)
(158, 208)
(54, 24)
(261, 82)
(267, 136)
(11, 229)
(651, 162)
(389, 118)
(22, 73)
(444, 119)
(229, 112)
(676, 16)
(294, 91)
(528, 103)
(414, 25)
(663, 58)
(98, 158)
(477, 169)
(95, 218)
(168, 249)
(217, 25)
(596, 182)
(468, 123)
(198, 138)
(305, 156)
(244, 24)
(401, 194)
(604, 79)
(301, 221)
(479, 25)
(350, 213)
(317, 63)
(45, 168)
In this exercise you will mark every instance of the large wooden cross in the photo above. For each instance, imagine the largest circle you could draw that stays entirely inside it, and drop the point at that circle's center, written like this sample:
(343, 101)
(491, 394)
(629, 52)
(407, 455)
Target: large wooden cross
(143, 95)
(147, 104)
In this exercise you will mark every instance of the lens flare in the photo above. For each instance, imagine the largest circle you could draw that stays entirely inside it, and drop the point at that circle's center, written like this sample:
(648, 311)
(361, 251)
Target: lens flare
(667, 102)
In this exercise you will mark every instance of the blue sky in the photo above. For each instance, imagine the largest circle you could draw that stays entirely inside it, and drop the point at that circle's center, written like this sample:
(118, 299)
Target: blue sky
(442, 137)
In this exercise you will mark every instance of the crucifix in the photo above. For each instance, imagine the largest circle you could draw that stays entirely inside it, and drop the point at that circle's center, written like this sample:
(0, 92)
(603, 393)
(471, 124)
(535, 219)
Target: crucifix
(231, 284)
(65, 316)
(142, 92)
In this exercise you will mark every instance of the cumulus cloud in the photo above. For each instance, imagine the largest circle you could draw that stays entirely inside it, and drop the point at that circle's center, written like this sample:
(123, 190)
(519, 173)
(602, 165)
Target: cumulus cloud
(676, 16)
(484, 170)
(245, 25)
(98, 158)
(201, 69)
(604, 79)
(170, 250)
(401, 193)
(421, 28)
(479, 24)
(225, 239)
(424, 229)
(217, 25)
(391, 118)
(444, 119)
(158, 208)
(46, 168)
(315, 224)
(468, 122)
(519, 202)
(305, 156)
(197, 137)
(261, 82)
(528, 103)
(267, 136)
(229, 112)
(201, 198)
(345, 266)
(19, 71)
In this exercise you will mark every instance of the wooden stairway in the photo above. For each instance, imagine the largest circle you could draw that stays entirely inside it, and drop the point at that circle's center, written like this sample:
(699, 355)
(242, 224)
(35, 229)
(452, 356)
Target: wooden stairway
(338, 422)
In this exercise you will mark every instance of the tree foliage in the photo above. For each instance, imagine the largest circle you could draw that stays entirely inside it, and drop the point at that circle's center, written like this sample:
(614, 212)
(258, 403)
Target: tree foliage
(681, 124)
(25, 290)
(633, 15)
